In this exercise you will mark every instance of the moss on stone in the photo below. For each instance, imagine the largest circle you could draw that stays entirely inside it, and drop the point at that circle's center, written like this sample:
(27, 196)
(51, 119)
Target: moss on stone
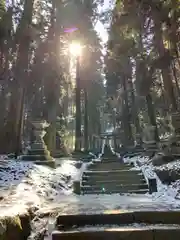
(15, 228)
(10, 228)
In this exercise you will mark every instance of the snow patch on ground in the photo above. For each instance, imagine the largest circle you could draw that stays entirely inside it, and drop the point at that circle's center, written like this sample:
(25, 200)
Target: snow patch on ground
(165, 193)
(172, 167)
(175, 165)
(24, 184)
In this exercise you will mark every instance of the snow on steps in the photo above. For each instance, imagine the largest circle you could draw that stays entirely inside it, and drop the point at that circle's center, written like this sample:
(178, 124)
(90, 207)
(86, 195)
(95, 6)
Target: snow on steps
(98, 176)
(105, 166)
(131, 233)
(119, 225)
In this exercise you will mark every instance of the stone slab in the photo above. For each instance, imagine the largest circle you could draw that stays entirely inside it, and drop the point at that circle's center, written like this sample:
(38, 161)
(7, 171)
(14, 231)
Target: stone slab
(166, 234)
(38, 146)
(95, 219)
(115, 191)
(110, 160)
(151, 217)
(36, 157)
(120, 217)
(114, 234)
(112, 166)
(38, 152)
(111, 172)
(112, 182)
(132, 178)
(120, 187)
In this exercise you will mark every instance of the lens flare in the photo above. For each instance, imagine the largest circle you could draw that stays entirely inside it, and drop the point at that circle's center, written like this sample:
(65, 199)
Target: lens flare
(70, 30)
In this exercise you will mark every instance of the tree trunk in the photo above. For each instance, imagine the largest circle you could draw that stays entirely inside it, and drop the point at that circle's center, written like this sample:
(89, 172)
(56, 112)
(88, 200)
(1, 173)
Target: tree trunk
(78, 109)
(19, 83)
(166, 72)
(126, 116)
(86, 127)
(151, 114)
(134, 108)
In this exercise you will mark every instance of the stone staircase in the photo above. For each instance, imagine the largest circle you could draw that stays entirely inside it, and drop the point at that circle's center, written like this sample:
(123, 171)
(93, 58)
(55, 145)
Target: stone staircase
(112, 176)
(153, 225)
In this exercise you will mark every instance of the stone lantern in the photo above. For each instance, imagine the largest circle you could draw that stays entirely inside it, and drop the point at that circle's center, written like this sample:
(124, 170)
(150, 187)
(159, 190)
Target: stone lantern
(149, 140)
(38, 151)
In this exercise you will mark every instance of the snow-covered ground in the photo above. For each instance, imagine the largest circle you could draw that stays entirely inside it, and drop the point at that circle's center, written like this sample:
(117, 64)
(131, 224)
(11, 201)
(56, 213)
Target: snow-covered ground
(50, 190)
(171, 192)
(173, 170)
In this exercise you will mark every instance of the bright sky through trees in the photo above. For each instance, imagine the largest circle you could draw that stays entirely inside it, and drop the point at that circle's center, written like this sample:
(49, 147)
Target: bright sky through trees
(100, 28)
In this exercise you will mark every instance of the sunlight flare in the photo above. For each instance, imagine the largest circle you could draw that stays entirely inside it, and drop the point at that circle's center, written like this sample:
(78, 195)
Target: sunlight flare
(75, 49)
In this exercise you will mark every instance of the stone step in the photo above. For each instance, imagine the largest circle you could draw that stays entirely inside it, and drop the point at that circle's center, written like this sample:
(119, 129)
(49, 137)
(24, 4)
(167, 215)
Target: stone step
(49, 163)
(38, 152)
(112, 182)
(117, 227)
(115, 177)
(36, 157)
(112, 172)
(131, 155)
(119, 217)
(107, 167)
(115, 191)
(131, 233)
(120, 188)
(110, 165)
(109, 160)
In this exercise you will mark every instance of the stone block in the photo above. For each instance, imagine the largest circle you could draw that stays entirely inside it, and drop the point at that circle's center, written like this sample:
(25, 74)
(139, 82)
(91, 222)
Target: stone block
(152, 185)
(38, 146)
(167, 234)
(101, 167)
(77, 187)
(115, 191)
(119, 188)
(108, 181)
(121, 233)
(116, 177)
(157, 217)
(95, 219)
(38, 152)
(36, 157)
(112, 173)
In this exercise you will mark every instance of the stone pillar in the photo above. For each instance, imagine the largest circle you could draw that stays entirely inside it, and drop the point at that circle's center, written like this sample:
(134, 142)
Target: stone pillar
(138, 139)
(106, 141)
(138, 142)
(149, 142)
(77, 187)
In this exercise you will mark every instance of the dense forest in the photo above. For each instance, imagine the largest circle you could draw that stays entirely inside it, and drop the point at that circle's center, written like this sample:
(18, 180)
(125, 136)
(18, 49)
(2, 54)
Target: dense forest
(136, 82)
(89, 122)
(36, 68)
(143, 66)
